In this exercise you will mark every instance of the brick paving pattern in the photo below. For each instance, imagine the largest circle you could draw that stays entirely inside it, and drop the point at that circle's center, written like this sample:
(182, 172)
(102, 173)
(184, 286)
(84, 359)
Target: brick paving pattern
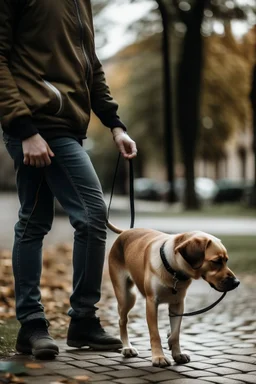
(221, 344)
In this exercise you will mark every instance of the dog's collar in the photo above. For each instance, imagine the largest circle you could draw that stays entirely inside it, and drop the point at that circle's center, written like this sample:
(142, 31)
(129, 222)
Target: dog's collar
(177, 275)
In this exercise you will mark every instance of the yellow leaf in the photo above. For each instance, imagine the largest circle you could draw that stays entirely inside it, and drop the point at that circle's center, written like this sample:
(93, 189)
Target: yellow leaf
(13, 379)
(82, 378)
(17, 380)
(34, 366)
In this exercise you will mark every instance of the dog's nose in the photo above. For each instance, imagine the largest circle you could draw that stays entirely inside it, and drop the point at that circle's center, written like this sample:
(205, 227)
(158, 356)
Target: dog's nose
(231, 283)
(236, 282)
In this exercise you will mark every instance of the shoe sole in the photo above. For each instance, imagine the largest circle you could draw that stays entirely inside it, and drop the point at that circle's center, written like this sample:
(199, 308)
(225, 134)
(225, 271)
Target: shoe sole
(96, 347)
(42, 354)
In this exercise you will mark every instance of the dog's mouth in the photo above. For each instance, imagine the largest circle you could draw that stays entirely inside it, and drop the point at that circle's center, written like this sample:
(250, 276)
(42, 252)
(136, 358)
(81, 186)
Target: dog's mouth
(226, 287)
(216, 289)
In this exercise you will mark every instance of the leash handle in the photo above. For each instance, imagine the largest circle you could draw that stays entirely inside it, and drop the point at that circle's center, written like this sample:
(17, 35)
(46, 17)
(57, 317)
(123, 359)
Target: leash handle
(131, 190)
(131, 186)
(200, 310)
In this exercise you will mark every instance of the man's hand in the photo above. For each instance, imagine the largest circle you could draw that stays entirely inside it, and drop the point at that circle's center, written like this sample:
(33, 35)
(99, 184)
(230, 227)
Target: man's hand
(124, 143)
(37, 152)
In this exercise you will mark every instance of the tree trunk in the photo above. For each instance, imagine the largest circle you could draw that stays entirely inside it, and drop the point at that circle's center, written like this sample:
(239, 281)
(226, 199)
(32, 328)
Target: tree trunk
(168, 102)
(188, 94)
(253, 200)
(253, 100)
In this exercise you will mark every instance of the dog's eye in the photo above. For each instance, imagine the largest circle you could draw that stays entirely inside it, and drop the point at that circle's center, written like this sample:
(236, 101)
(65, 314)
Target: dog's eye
(217, 262)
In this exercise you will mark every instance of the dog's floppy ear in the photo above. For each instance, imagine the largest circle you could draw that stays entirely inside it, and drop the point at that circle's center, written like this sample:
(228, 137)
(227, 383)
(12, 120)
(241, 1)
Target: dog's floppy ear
(193, 251)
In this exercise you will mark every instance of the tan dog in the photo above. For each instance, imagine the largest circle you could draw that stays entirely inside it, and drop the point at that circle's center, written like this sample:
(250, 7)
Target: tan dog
(142, 257)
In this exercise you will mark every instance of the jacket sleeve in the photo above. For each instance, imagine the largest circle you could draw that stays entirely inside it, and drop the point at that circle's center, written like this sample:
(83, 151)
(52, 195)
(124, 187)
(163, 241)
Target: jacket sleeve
(103, 104)
(15, 116)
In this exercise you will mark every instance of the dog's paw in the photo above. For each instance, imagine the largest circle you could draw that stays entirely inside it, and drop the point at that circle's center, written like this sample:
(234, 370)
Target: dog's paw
(181, 359)
(129, 352)
(160, 361)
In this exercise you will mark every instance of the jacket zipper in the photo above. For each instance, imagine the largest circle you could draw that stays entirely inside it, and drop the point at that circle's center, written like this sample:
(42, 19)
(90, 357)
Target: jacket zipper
(57, 93)
(78, 12)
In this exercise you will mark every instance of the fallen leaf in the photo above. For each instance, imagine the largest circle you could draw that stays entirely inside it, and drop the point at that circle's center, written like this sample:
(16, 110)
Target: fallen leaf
(13, 379)
(63, 381)
(82, 378)
(34, 366)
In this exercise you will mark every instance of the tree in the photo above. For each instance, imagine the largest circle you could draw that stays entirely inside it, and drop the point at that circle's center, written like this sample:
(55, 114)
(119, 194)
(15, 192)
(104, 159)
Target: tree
(168, 101)
(225, 107)
(191, 13)
(253, 101)
(188, 95)
(189, 83)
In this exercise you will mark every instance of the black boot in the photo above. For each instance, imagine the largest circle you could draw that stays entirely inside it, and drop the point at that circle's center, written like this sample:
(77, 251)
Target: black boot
(33, 338)
(89, 332)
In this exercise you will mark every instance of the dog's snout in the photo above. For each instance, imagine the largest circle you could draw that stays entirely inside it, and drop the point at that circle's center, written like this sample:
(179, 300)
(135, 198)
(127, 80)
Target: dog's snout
(231, 283)
(236, 282)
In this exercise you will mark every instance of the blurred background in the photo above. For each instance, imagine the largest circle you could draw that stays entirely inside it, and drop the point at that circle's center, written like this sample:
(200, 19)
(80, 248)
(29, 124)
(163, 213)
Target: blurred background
(184, 75)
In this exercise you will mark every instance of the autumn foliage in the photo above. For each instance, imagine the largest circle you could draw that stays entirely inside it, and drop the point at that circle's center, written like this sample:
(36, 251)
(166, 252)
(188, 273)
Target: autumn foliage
(55, 285)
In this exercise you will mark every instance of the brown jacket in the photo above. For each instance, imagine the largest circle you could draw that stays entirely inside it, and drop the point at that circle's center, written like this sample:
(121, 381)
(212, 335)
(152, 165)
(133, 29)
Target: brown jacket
(50, 76)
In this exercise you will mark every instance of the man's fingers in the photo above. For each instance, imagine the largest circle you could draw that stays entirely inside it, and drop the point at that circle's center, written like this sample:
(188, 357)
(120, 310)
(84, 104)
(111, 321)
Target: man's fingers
(127, 149)
(50, 152)
(47, 159)
(122, 149)
(133, 150)
(37, 152)
(39, 162)
(32, 161)
(26, 160)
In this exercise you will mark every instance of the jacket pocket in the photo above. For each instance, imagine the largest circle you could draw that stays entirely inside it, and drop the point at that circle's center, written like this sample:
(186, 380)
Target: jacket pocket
(57, 94)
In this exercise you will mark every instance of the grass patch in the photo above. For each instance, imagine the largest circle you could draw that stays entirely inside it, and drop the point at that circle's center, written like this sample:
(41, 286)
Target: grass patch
(8, 334)
(211, 210)
(223, 210)
(242, 253)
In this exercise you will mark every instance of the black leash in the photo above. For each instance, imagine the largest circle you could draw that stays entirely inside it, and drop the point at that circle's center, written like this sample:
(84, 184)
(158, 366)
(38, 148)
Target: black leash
(203, 310)
(131, 190)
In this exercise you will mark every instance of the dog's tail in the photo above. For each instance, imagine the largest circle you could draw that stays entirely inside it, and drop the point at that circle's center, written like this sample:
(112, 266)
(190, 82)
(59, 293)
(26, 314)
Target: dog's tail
(113, 228)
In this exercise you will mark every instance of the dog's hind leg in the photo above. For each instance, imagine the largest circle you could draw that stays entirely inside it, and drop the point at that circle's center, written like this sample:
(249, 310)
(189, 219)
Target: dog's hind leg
(126, 302)
(126, 297)
(174, 337)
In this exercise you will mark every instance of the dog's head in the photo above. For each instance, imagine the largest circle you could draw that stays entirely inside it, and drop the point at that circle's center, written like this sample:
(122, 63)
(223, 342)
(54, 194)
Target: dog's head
(206, 255)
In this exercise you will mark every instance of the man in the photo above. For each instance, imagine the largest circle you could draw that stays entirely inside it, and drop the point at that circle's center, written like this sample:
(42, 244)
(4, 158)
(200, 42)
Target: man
(50, 79)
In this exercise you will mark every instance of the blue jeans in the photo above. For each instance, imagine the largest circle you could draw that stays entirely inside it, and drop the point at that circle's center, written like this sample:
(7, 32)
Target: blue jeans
(71, 178)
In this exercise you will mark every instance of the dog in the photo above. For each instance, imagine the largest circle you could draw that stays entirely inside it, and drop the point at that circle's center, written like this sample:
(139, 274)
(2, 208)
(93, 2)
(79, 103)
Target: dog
(162, 267)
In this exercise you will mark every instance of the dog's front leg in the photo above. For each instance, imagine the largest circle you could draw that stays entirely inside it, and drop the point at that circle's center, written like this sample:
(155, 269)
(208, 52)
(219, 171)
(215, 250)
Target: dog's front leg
(128, 350)
(158, 357)
(174, 337)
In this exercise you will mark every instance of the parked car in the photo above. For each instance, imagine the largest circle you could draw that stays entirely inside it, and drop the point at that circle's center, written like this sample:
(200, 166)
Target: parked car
(150, 189)
(249, 195)
(231, 190)
(205, 188)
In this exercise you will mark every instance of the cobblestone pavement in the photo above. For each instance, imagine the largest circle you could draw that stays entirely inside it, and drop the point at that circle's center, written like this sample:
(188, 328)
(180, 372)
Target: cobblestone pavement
(221, 344)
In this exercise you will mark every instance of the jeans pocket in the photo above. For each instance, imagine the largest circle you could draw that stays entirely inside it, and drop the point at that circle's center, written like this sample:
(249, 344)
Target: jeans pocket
(14, 148)
(6, 139)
